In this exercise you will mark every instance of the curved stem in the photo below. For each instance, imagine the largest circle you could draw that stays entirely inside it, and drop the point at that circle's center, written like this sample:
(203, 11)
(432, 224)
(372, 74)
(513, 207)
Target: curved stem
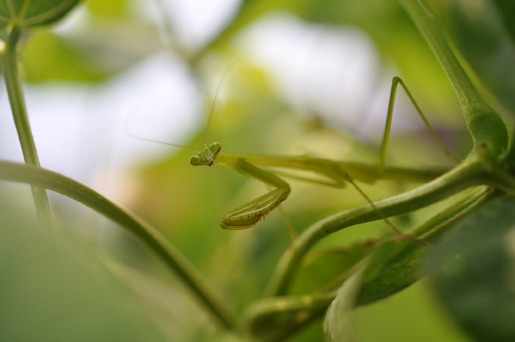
(144, 232)
(471, 172)
(268, 311)
(21, 121)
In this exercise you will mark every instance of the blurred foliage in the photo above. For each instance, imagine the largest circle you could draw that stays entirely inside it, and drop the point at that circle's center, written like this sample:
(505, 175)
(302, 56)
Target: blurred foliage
(55, 288)
(29, 14)
(474, 268)
(62, 60)
(385, 22)
(252, 116)
(484, 34)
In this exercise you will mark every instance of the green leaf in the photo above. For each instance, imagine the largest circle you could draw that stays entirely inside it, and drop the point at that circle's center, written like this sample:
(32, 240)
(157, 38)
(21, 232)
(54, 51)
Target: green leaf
(474, 272)
(32, 13)
(337, 326)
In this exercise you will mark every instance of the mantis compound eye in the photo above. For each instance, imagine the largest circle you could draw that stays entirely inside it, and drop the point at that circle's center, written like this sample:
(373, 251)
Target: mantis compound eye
(215, 148)
(196, 160)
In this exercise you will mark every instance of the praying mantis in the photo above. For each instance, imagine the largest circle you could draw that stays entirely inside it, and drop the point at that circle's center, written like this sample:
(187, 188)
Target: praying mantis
(332, 173)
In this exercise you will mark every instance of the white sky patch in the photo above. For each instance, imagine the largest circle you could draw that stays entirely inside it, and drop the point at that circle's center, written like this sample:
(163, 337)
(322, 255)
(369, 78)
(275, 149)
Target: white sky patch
(331, 71)
(79, 130)
(194, 22)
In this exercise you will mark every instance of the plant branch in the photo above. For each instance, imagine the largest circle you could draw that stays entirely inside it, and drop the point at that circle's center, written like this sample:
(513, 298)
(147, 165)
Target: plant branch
(21, 121)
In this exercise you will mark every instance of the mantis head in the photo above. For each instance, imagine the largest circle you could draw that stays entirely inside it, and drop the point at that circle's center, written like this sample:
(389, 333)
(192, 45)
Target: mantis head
(207, 156)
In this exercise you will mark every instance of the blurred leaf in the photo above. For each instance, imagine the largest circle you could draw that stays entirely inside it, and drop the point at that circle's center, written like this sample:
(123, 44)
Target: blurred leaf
(111, 8)
(47, 56)
(55, 289)
(333, 12)
(474, 272)
(484, 33)
(506, 9)
(337, 326)
(394, 266)
(27, 13)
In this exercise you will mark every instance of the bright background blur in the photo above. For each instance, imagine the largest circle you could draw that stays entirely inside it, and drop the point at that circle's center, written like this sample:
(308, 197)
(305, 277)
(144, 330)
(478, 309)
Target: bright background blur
(297, 77)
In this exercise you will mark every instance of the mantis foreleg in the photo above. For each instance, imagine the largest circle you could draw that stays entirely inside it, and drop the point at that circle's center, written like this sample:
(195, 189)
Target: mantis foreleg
(252, 212)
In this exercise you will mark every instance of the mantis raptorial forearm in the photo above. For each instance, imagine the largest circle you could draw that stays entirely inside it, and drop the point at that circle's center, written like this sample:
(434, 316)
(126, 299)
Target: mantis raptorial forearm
(251, 212)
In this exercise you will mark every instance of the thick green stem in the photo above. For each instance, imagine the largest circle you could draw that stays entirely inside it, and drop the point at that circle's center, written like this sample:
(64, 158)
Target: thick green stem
(145, 233)
(485, 125)
(471, 172)
(21, 121)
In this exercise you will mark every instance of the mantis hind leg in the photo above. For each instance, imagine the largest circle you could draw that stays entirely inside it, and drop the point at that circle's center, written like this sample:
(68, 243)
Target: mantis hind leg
(341, 174)
(384, 145)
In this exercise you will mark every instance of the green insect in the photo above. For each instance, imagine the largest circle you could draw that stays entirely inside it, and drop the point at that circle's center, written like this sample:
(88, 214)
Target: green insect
(333, 173)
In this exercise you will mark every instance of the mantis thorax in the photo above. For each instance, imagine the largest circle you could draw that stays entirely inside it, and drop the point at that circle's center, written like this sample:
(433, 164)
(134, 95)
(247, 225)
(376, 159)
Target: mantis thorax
(206, 156)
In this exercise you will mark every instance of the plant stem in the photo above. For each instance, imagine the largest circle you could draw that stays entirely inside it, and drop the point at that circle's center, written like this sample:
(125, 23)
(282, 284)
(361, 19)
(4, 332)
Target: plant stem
(21, 121)
(471, 172)
(485, 125)
(144, 232)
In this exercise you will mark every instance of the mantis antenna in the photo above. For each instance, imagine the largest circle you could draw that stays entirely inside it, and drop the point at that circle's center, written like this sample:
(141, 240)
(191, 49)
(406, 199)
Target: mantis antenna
(134, 136)
(214, 100)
